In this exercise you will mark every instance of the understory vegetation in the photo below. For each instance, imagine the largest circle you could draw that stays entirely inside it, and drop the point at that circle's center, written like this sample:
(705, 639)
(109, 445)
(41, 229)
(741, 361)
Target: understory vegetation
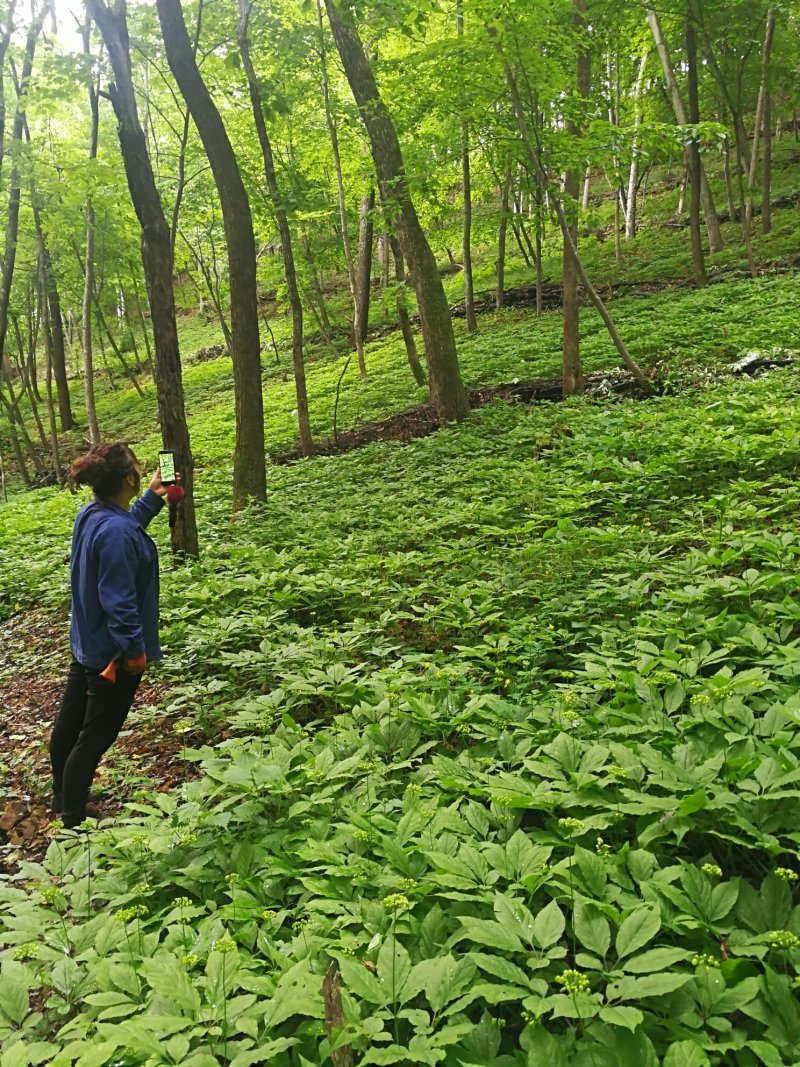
(508, 731)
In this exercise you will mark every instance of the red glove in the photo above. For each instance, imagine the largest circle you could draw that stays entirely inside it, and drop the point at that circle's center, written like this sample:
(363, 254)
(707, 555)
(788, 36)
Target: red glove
(135, 665)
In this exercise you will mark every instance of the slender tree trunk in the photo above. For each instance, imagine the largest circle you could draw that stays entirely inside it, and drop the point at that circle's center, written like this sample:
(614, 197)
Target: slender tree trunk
(318, 303)
(587, 188)
(726, 168)
(633, 178)
(402, 313)
(466, 181)
(366, 230)
(88, 276)
(712, 221)
(558, 207)
(143, 320)
(48, 347)
(359, 318)
(572, 372)
(249, 465)
(448, 394)
(501, 239)
(157, 261)
(762, 119)
(298, 362)
(698, 261)
(766, 196)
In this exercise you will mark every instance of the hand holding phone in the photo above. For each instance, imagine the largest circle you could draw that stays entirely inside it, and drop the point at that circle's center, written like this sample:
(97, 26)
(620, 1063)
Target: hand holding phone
(166, 463)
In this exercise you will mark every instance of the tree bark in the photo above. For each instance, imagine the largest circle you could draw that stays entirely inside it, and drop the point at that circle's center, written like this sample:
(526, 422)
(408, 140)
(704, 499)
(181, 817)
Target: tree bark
(558, 207)
(366, 231)
(304, 424)
(712, 221)
(157, 261)
(763, 117)
(12, 219)
(402, 313)
(466, 181)
(88, 275)
(249, 463)
(448, 394)
(360, 320)
(501, 239)
(698, 260)
(633, 179)
(572, 371)
(766, 196)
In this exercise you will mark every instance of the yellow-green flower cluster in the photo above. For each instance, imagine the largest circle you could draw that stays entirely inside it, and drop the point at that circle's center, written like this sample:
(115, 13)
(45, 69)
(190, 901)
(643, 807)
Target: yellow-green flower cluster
(396, 902)
(712, 870)
(30, 951)
(705, 961)
(572, 826)
(573, 982)
(181, 902)
(224, 945)
(786, 874)
(135, 911)
(783, 939)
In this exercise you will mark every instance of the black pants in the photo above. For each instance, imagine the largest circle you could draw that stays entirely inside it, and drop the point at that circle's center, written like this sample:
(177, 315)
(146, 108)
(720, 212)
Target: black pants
(91, 716)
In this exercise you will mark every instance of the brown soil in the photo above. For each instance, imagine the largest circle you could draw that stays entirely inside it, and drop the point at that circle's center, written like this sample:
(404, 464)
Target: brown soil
(33, 662)
(421, 420)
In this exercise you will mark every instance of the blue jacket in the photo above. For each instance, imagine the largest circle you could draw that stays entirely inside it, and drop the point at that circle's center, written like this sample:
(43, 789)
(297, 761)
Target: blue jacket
(114, 577)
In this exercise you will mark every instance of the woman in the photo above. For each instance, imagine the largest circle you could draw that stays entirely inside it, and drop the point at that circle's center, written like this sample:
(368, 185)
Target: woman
(114, 628)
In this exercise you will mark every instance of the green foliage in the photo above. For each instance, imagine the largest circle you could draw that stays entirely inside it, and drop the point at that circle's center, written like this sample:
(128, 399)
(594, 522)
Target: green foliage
(509, 734)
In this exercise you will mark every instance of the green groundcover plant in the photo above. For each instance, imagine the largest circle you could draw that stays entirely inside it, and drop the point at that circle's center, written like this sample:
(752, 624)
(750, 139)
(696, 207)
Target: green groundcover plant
(506, 730)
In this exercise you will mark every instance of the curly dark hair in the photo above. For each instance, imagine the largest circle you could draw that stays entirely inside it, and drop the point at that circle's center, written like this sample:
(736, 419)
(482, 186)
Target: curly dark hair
(105, 467)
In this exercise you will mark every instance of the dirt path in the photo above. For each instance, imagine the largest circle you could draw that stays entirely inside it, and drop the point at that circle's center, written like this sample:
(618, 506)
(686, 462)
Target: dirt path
(34, 658)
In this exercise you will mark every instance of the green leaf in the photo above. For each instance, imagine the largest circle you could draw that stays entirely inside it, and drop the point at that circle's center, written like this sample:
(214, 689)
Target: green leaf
(686, 1054)
(360, 982)
(622, 1016)
(299, 992)
(640, 927)
(656, 959)
(394, 968)
(649, 985)
(591, 928)
(490, 933)
(549, 925)
(14, 1000)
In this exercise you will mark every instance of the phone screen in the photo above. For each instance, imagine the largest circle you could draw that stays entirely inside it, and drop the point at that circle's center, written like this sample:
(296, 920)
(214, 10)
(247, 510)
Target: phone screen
(166, 461)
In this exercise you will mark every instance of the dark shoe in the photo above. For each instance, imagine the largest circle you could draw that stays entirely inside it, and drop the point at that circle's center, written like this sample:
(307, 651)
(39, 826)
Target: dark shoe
(56, 803)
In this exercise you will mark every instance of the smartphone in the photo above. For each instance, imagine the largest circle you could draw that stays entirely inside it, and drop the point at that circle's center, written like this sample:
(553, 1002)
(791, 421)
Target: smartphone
(166, 461)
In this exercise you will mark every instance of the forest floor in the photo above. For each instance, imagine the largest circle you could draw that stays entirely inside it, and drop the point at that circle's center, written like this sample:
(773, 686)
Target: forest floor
(145, 758)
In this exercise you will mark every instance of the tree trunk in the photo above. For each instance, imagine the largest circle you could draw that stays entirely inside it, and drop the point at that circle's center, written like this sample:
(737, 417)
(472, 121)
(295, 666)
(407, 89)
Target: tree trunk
(762, 119)
(448, 394)
(633, 178)
(501, 239)
(572, 372)
(359, 320)
(48, 347)
(698, 261)
(157, 261)
(766, 196)
(249, 463)
(466, 181)
(304, 424)
(558, 207)
(712, 221)
(726, 169)
(366, 229)
(318, 303)
(402, 313)
(88, 275)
